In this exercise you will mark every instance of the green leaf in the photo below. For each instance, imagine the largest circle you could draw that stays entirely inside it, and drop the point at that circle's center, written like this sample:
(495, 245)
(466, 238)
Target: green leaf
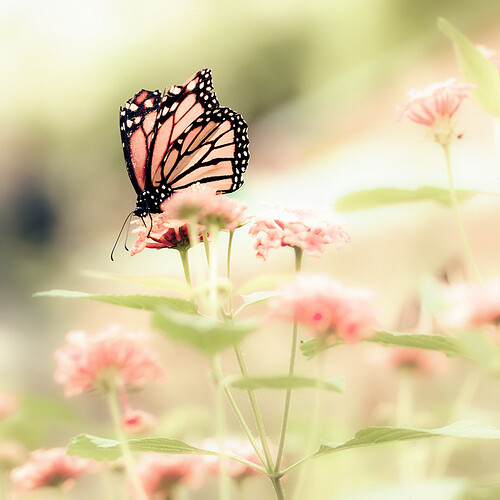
(447, 345)
(431, 296)
(205, 334)
(285, 382)
(262, 281)
(146, 302)
(97, 448)
(481, 349)
(476, 68)
(380, 435)
(379, 197)
(169, 283)
(253, 298)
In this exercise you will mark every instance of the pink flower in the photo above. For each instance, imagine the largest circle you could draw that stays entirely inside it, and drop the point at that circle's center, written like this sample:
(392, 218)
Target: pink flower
(326, 306)
(135, 421)
(201, 204)
(234, 469)
(8, 405)
(49, 468)
(305, 228)
(471, 305)
(490, 54)
(112, 356)
(435, 106)
(414, 359)
(165, 233)
(161, 473)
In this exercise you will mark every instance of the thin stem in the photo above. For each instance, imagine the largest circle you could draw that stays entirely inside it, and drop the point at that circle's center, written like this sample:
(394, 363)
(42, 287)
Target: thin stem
(228, 267)
(185, 265)
(291, 370)
(314, 431)
(256, 411)
(454, 203)
(114, 409)
(213, 270)
(218, 378)
(206, 245)
(278, 488)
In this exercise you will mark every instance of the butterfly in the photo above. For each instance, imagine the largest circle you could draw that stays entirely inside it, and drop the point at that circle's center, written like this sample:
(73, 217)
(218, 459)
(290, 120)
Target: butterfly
(180, 137)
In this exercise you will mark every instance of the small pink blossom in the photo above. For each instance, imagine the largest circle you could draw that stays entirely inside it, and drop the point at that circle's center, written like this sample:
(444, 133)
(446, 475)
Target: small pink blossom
(234, 469)
(419, 360)
(50, 467)
(112, 356)
(135, 421)
(164, 233)
(201, 204)
(471, 305)
(161, 473)
(305, 228)
(8, 405)
(326, 306)
(435, 106)
(490, 54)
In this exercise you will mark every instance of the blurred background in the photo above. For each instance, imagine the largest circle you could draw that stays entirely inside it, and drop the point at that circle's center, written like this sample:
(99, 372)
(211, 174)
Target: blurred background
(318, 83)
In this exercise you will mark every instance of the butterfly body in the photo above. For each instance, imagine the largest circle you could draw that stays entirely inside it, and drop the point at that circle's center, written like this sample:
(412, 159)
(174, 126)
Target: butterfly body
(180, 137)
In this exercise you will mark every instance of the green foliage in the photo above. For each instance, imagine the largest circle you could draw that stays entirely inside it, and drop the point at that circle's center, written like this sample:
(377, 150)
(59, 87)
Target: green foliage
(481, 349)
(285, 382)
(447, 345)
(380, 435)
(253, 298)
(205, 334)
(88, 446)
(431, 296)
(146, 302)
(476, 68)
(379, 197)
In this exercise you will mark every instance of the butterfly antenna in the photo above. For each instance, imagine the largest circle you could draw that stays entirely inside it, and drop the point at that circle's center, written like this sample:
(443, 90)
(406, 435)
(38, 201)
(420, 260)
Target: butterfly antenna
(128, 231)
(120, 233)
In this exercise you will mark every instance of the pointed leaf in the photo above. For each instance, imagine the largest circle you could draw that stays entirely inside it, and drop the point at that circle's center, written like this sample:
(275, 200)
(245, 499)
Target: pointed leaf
(207, 335)
(146, 302)
(379, 197)
(285, 382)
(476, 68)
(253, 298)
(380, 435)
(447, 345)
(88, 446)
(169, 283)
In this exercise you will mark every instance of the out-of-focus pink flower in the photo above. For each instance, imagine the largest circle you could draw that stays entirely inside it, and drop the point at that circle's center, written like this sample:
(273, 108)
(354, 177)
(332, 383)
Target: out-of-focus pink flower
(135, 421)
(305, 228)
(8, 405)
(490, 54)
(434, 107)
(326, 306)
(112, 356)
(161, 473)
(471, 305)
(165, 233)
(201, 204)
(50, 467)
(234, 469)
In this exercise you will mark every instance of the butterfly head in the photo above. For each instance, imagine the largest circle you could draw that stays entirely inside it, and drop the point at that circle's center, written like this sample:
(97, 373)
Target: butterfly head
(149, 201)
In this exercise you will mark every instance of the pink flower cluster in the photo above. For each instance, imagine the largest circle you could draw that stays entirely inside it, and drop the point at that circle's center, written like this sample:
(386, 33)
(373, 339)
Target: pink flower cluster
(91, 362)
(471, 305)
(326, 306)
(163, 233)
(50, 467)
(304, 228)
(202, 205)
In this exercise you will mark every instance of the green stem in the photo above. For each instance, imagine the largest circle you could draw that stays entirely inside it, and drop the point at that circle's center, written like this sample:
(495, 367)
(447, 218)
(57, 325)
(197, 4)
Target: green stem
(291, 370)
(213, 271)
(256, 411)
(314, 431)
(454, 203)
(228, 267)
(185, 265)
(114, 408)
(218, 378)
(278, 488)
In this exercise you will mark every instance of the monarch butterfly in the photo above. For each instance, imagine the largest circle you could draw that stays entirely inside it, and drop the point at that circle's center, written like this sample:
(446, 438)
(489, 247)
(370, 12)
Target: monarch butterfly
(177, 138)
